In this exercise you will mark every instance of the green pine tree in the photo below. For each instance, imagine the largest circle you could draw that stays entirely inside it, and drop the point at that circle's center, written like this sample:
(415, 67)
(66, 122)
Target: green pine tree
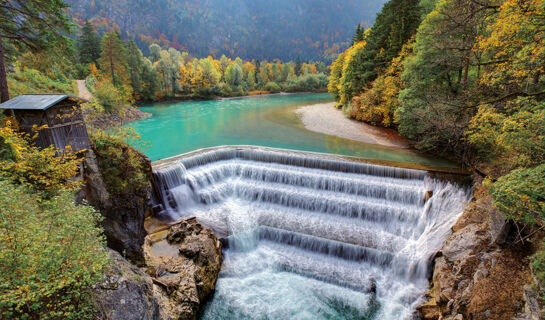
(395, 25)
(298, 66)
(88, 44)
(113, 58)
(358, 35)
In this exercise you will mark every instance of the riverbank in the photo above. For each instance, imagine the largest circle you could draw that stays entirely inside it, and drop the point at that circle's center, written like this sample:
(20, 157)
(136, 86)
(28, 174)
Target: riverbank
(266, 94)
(325, 118)
(183, 98)
(102, 120)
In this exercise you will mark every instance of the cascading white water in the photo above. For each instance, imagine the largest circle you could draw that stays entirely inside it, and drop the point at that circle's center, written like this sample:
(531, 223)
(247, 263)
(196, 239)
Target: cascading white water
(313, 237)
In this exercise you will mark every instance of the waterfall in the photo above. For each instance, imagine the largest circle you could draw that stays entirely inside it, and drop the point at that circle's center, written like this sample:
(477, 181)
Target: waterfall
(311, 236)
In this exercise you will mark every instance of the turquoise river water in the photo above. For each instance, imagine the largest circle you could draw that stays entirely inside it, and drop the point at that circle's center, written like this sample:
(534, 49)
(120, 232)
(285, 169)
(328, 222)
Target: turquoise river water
(180, 127)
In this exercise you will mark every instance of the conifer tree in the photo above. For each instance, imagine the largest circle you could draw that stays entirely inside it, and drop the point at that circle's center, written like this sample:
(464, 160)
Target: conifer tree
(155, 52)
(298, 66)
(29, 24)
(113, 58)
(136, 65)
(88, 44)
(358, 35)
(395, 25)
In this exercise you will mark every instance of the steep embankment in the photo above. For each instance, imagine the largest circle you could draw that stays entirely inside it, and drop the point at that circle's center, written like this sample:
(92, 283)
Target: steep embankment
(481, 272)
(181, 269)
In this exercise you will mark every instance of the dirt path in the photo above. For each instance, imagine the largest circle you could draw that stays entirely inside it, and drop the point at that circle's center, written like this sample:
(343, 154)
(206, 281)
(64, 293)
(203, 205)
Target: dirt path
(325, 118)
(83, 92)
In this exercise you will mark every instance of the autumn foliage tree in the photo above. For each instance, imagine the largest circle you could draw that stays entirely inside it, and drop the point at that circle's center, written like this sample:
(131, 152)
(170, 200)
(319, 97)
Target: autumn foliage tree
(39, 169)
(378, 104)
(52, 250)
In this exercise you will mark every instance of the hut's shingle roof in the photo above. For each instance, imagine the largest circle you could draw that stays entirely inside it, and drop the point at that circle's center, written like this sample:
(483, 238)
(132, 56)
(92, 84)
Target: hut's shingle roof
(36, 101)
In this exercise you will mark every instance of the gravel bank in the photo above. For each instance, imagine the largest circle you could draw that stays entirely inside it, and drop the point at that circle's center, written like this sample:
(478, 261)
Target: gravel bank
(325, 118)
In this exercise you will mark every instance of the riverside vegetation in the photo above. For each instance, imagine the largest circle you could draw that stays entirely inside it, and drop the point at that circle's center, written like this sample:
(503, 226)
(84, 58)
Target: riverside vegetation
(464, 79)
(53, 248)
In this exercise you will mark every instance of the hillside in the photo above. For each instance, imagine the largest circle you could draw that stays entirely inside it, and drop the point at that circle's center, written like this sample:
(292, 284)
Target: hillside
(257, 29)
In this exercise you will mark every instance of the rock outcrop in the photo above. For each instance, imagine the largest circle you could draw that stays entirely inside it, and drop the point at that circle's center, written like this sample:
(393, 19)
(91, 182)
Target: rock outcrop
(123, 214)
(480, 273)
(185, 274)
(177, 280)
(125, 293)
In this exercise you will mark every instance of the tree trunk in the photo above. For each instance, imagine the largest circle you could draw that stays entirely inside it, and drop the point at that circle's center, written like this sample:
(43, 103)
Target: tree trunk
(112, 68)
(4, 92)
(469, 46)
(466, 71)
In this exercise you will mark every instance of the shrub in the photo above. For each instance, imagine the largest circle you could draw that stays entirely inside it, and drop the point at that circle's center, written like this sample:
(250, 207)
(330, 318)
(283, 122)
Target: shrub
(51, 253)
(538, 267)
(123, 168)
(520, 195)
(511, 138)
(108, 96)
(81, 70)
(271, 87)
(40, 169)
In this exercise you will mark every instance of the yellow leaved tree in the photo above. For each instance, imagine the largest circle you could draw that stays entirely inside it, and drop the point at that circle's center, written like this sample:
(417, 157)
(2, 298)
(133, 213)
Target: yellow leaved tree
(42, 169)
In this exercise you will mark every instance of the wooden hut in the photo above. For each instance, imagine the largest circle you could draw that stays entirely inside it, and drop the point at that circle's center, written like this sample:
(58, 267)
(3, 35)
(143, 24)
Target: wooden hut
(57, 115)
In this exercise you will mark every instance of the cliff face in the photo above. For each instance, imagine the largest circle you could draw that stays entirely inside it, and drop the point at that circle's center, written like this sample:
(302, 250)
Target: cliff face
(123, 213)
(482, 272)
(125, 293)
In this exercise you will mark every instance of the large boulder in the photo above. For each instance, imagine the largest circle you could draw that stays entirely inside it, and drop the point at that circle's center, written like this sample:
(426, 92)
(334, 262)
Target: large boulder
(186, 268)
(125, 293)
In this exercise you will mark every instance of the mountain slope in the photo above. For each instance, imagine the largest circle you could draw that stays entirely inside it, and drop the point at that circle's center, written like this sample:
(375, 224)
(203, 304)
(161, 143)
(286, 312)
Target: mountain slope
(262, 29)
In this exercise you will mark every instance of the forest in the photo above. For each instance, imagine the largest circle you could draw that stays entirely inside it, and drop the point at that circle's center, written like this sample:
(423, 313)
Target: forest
(117, 73)
(251, 29)
(464, 79)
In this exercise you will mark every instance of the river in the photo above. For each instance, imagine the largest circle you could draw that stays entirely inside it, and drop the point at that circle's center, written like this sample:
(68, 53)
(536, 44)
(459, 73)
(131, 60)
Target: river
(179, 127)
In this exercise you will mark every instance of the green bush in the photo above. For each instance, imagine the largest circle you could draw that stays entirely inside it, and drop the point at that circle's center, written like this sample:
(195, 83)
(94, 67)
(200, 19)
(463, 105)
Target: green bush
(271, 87)
(520, 195)
(538, 266)
(81, 71)
(108, 96)
(124, 169)
(51, 253)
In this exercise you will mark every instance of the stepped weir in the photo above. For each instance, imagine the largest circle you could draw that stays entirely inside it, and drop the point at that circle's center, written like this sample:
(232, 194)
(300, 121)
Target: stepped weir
(312, 236)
